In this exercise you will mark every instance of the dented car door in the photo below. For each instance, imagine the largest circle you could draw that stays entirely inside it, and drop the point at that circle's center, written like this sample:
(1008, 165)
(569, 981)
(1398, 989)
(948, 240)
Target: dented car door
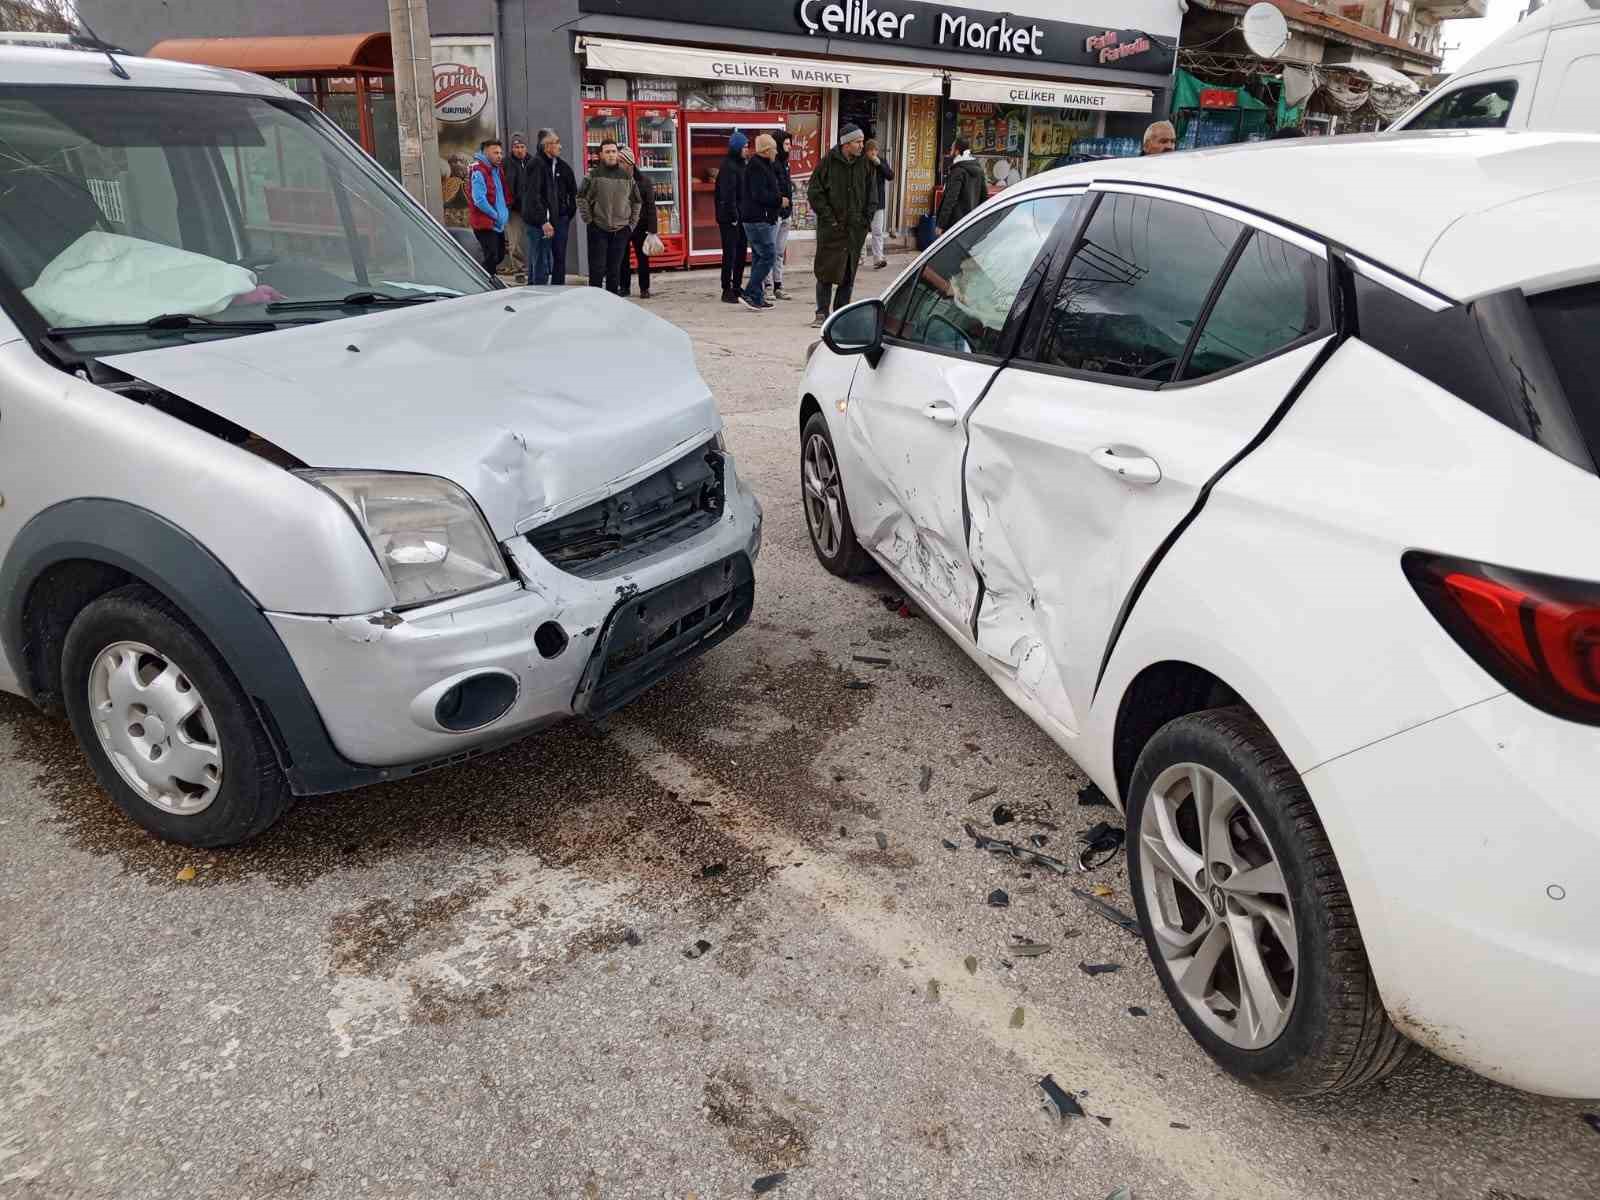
(944, 332)
(1173, 335)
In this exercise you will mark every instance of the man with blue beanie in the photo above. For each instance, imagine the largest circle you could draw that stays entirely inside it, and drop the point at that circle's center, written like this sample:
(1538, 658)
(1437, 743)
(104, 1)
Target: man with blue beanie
(730, 224)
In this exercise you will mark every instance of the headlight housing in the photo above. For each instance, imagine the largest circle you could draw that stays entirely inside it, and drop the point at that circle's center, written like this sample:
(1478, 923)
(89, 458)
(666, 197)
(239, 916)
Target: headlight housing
(426, 533)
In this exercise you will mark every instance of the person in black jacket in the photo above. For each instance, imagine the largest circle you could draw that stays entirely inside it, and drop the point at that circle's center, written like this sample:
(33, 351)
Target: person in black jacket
(786, 186)
(761, 205)
(730, 179)
(549, 202)
(965, 187)
(516, 168)
(879, 175)
(646, 226)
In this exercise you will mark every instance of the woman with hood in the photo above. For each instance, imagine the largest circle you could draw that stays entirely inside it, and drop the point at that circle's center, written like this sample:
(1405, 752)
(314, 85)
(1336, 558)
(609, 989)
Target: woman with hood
(786, 187)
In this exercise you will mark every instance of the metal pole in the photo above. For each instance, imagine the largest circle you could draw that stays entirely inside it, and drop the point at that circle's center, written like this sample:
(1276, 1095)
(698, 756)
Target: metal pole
(412, 39)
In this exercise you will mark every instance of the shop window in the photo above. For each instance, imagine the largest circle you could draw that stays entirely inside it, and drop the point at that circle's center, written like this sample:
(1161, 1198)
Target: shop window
(959, 301)
(1275, 295)
(1134, 289)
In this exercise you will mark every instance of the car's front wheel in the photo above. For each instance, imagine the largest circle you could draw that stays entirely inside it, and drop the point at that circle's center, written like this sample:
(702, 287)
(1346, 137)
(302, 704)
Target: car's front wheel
(827, 514)
(170, 733)
(1245, 912)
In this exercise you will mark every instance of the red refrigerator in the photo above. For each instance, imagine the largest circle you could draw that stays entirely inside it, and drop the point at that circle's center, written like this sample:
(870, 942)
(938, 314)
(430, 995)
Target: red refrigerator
(658, 148)
(706, 135)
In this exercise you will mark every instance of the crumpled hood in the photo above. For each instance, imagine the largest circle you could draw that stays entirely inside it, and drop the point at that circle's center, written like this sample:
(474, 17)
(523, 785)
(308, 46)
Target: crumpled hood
(530, 399)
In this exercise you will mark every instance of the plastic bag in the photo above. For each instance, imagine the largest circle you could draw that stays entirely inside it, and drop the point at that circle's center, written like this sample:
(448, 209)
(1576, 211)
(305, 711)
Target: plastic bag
(653, 245)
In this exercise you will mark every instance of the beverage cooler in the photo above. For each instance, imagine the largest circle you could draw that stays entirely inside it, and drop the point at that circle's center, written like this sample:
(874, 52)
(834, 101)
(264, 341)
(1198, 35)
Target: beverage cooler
(707, 135)
(602, 121)
(658, 151)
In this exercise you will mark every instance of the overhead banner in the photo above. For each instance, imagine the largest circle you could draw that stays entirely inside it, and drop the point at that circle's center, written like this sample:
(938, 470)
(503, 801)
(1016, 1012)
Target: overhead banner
(1036, 94)
(646, 58)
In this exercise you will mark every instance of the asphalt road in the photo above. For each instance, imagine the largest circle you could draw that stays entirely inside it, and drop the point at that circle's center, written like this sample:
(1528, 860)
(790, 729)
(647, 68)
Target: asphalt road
(476, 984)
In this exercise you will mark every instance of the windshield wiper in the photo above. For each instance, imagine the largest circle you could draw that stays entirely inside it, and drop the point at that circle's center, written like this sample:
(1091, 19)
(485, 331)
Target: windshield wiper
(165, 323)
(355, 300)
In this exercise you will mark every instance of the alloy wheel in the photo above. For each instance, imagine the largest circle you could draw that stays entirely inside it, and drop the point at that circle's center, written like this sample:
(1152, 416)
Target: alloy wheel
(1218, 905)
(155, 728)
(820, 479)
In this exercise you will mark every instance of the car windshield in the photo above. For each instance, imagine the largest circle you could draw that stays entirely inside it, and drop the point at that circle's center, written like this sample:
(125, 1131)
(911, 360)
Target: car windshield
(120, 206)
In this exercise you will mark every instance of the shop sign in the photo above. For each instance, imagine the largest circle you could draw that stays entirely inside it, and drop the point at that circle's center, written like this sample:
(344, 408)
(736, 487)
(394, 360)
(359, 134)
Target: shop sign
(464, 107)
(1217, 98)
(460, 92)
(993, 90)
(919, 25)
(640, 58)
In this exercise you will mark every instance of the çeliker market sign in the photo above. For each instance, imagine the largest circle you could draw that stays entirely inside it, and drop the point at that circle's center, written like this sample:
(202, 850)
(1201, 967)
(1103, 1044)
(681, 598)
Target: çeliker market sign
(917, 24)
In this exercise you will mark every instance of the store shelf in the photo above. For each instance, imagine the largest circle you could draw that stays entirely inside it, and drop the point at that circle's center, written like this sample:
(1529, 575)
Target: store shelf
(657, 145)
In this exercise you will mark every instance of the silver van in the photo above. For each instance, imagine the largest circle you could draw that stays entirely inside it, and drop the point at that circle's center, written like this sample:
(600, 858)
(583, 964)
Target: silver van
(295, 498)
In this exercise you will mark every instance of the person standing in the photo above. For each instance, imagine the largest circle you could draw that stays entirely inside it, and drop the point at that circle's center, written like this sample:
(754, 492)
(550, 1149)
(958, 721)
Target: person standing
(1160, 138)
(841, 197)
(517, 169)
(730, 179)
(642, 229)
(761, 206)
(964, 187)
(879, 175)
(489, 212)
(548, 206)
(786, 186)
(609, 204)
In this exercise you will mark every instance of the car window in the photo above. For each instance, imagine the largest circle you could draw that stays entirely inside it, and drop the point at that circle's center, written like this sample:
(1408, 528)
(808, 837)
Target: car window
(960, 299)
(1569, 324)
(1131, 295)
(1276, 294)
(1478, 106)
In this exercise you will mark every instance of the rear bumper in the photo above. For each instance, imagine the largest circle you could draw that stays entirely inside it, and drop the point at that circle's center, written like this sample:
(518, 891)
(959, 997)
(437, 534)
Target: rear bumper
(376, 678)
(1471, 846)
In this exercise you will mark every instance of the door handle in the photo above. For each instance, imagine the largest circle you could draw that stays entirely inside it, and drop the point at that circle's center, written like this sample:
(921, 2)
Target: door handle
(1126, 463)
(940, 413)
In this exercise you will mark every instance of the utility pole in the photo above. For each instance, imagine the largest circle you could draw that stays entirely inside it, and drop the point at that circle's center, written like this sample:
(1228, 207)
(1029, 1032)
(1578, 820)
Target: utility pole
(412, 40)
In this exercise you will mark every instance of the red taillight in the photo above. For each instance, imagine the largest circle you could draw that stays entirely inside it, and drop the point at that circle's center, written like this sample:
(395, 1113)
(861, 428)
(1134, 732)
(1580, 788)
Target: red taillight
(1539, 635)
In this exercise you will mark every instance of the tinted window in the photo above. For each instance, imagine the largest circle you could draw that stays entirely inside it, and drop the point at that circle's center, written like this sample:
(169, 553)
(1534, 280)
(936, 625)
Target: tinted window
(1569, 325)
(1276, 294)
(1133, 291)
(961, 297)
(1480, 106)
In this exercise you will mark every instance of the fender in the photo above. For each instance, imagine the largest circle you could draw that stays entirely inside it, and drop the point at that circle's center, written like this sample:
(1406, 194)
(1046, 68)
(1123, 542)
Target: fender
(153, 550)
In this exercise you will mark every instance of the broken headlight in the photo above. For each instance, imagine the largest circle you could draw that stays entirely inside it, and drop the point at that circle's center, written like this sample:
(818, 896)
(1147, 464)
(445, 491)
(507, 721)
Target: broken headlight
(425, 532)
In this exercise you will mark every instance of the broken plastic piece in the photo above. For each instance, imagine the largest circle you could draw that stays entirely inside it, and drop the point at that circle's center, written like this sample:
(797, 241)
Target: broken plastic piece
(1018, 1017)
(631, 936)
(982, 794)
(999, 899)
(933, 991)
(1012, 850)
(696, 950)
(1023, 948)
(1100, 845)
(971, 964)
(926, 781)
(1115, 915)
(857, 685)
(1124, 1192)
(883, 840)
(1093, 969)
(872, 660)
(1136, 1011)
(949, 845)
(1038, 839)
(767, 1182)
(1093, 797)
(1593, 1121)
(1058, 1102)
(1003, 815)
(712, 870)
(1176, 1125)
(1106, 1121)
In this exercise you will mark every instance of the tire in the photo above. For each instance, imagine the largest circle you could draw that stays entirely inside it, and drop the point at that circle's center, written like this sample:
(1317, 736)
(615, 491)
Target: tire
(148, 667)
(1313, 1023)
(840, 553)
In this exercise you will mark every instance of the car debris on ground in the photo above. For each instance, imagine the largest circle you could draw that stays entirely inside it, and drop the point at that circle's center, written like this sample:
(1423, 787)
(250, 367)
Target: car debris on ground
(1115, 915)
(696, 950)
(1092, 797)
(767, 1183)
(999, 899)
(1093, 969)
(1059, 1102)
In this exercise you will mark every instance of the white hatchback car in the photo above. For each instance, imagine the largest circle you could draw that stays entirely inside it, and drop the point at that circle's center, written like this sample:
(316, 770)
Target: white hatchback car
(1263, 480)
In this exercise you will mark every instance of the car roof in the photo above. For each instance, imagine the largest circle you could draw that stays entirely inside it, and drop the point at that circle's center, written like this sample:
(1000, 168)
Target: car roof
(37, 65)
(1404, 200)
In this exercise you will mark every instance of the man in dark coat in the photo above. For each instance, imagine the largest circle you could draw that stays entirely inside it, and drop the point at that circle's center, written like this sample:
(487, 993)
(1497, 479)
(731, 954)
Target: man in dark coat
(549, 202)
(730, 181)
(761, 205)
(648, 223)
(964, 187)
(516, 167)
(841, 197)
(786, 184)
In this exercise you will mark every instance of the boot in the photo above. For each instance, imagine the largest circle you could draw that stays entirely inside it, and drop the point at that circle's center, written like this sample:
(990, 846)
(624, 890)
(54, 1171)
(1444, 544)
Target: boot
(729, 296)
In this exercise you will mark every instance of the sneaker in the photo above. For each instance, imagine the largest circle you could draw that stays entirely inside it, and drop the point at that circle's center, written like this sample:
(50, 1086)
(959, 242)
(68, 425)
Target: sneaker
(880, 264)
(729, 296)
(819, 321)
(780, 294)
(756, 304)
(644, 295)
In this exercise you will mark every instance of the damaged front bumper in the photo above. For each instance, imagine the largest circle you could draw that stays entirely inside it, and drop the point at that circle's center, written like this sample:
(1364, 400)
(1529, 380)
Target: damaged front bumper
(406, 692)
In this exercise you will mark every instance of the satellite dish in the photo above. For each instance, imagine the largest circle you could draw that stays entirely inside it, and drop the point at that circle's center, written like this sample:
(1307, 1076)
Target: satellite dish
(1266, 31)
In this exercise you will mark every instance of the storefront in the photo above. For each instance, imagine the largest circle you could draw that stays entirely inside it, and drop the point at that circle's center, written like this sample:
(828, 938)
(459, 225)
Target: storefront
(1028, 82)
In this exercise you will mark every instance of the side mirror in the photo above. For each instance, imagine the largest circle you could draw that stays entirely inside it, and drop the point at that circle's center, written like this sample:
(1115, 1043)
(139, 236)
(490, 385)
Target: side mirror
(857, 329)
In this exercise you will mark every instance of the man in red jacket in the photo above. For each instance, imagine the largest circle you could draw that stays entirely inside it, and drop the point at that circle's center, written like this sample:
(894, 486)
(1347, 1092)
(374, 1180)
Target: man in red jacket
(490, 211)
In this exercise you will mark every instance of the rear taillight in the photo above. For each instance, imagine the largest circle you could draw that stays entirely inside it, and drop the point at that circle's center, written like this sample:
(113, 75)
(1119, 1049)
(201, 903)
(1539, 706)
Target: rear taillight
(1539, 635)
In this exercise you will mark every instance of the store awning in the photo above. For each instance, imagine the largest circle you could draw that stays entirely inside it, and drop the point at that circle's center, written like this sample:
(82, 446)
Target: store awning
(327, 54)
(649, 58)
(1044, 94)
(1382, 75)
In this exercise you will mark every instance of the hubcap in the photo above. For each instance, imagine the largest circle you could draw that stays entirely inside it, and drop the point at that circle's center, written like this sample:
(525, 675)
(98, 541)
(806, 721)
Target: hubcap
(155, 727)
(1218, 905)
(819, 477)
